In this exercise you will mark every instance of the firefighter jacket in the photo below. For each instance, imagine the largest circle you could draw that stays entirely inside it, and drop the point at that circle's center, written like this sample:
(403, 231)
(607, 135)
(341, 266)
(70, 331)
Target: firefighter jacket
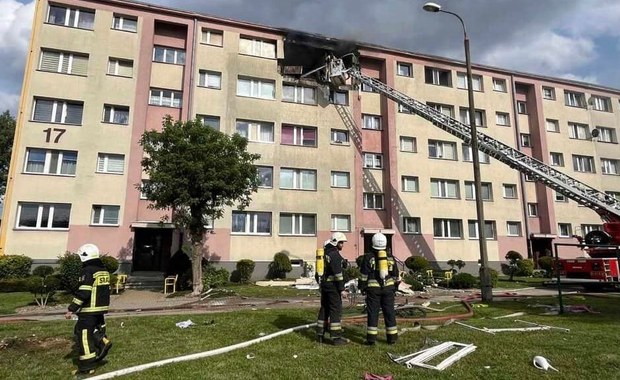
(371, 277)
(93, 295)
(332, 275)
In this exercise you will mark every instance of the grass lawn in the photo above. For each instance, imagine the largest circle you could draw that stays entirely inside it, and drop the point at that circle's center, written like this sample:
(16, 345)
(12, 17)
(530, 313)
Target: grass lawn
(11, 301)
(589, 350)
(503, 282)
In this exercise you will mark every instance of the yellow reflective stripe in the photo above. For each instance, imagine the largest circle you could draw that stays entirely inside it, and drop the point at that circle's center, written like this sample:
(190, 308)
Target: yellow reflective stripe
(77, 301)
(335, 328)
(376, 284)
(364, 277)
(336, 324)
(85, 287)
(93, 309)
(87, 354)
(337, 277)
(372, 332)
(391, 330)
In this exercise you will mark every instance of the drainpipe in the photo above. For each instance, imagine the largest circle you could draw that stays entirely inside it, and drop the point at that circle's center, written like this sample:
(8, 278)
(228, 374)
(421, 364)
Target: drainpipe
(192, 74)
(521, 176)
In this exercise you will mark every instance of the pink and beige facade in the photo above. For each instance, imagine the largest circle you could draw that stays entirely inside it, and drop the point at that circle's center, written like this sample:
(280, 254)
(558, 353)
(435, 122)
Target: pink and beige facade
(100, 73)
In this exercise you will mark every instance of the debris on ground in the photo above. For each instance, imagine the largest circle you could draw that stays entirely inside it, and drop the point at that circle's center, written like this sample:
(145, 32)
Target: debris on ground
(372, 376)
(542, 363)
(185, 324)
(536, 327)
(421, 358)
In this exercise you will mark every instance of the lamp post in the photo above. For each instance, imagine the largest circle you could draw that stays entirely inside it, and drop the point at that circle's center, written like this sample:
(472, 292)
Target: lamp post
(485, 276)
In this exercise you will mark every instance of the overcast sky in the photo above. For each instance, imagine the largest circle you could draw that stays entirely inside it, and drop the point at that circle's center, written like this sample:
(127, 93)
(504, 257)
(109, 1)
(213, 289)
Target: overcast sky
(575, 39)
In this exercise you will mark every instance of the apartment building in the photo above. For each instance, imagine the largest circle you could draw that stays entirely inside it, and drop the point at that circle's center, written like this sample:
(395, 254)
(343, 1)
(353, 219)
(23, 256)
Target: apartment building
(100, 73)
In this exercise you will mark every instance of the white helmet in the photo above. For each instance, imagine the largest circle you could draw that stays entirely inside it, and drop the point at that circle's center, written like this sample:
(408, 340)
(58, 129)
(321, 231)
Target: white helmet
(379, 241)
(337, 237)
(88, 252)
(328, 241)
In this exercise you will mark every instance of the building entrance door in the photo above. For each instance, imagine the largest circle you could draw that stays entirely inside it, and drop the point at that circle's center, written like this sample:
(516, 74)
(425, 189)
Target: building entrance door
(152, 249)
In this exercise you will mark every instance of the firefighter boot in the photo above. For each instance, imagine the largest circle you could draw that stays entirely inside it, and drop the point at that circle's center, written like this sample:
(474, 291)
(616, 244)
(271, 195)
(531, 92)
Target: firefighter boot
(107, 344)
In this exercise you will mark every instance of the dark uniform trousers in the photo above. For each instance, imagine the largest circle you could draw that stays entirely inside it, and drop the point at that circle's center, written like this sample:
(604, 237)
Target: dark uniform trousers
(381, 298)
(330, 313)
(90, 337)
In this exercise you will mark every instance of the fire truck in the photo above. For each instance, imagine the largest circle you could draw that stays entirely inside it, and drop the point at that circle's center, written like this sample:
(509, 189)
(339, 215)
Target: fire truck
(601, 248)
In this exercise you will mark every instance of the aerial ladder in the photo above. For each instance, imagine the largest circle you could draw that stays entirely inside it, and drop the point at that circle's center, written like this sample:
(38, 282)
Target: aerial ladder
(607, 207)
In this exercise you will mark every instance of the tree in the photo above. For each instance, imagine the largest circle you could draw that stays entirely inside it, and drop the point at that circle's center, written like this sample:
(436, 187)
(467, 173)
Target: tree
(195, 171)
(513, 258)
(7, 132)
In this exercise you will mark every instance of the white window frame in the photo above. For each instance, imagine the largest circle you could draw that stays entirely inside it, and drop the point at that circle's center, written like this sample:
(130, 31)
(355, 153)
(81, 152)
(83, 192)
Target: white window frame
(257, 47)
(258, 88)
(103, 163)
(49, 209)
(298, 135)
(532, 210)
(513, 228)
(601, 103)
(502, 118)
(210, 79)
(412, 225)
(404, 69)
(578, 131)
(445, 109)
(609, 166)
(486, 187)
(59, 110)
(165, 98)
(559, 197)
(506, 187)
(299, 94)
(72, 14)
(445, 188)
(52, 155)
(476, 80)
(341, 223)
(522, 107)
(115, 64)
(372, 122)
(408, 144)
(251, 223)
(264, 173)
(119, 23)
(552, 125)
(574, 99)
(607, 135)
(297, 224)
(208, 34)
(410, 184)
(167, 54)
(499, 85)
(255, 131)
(373, 161)
(337, 178)
(490, 230)
(556, 159)
(479, 116)
(374, 201)
(587, 228)
(299, 178)
(526, 140)
(437, 76)
(339, 97)
(447, 228)
(98, 215)
(583, 164)
(565, 230)
(336, 133)
(483, 158)
(210, 121)
(66, 60)
(113, 111)
(441, 150)
(548, 93)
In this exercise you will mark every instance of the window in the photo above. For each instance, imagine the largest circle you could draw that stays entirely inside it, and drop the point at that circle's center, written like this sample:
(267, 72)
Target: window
(532, 209)
(143, 185)
(210, 79)
(565, 230)
(444, 188)
(403, 109)
(120, 67)
(408, 144)
(587, 228)
(212, 37)
(339, 136)
(55, 162)
(299, 94)
(257, 48)
(438, 76)
(574, 99)
(480, 117)
(445, 109)
(528, 177)
(265, 174)
(371, 122)
(510, 191)
(115, 114)
(502, 118)
(63, 62)
(476, 80)
(75, 18)
(210, 121)
(447, 228)
(339, 97)
(298, 179)
(254, 223)
(126, 23)
(556, 159)
(553, 126)
(57, 111)
(404, 69)
(548, 93)
(43, 216)
(297, 224)
(442, 149)
(609, 166)
(490, 231)
(105, 215)
(499, 85)
(373, 201)
(110, 163)
(373, 161)
(578, 131)
(368, 88)
(410, 184)
(340, 179)
(513, 228)
(485, 187)
(255, 130)
(411, 225)
(522, 107)
(601, 103)
(165, 98)
(584, 164)
(256, 88)
(607, 135)
(298, 135)
(483, 158)
(559, 197)
(341, 223)
(526, 140)
(168, 55)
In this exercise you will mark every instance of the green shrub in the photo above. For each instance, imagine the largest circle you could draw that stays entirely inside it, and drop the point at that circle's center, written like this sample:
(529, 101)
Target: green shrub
(463, 281)
(213, 278)
(42, 271)
(11, 285)
(494, 277)
(280, 265)
(15, 266)
(244, 270)
(70, 269)
(546, 263)
(525, 267)
(417, 264)
(43, 288)
(513, 258)
(415, 284)
(110, 263)
(351, 272)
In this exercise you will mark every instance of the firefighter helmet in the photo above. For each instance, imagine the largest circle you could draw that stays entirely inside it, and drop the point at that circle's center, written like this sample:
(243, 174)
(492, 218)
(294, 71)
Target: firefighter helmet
(337, 237)
(88, 252)
(379, 241)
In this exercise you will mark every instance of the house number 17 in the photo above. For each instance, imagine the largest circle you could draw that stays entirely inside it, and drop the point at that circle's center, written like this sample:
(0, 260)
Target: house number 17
(48, 134)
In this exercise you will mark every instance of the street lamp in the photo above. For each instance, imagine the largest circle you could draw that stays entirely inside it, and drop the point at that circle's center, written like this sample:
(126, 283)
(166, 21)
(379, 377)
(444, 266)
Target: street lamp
(485, 275)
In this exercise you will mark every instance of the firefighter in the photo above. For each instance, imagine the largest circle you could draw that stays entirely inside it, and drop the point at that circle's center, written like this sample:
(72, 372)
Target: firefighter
(332, 287)
(379, 282)
(90, 303)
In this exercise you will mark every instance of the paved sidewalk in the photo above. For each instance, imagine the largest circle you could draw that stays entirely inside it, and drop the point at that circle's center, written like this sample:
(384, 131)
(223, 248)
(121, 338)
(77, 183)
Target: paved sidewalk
(144, 299)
